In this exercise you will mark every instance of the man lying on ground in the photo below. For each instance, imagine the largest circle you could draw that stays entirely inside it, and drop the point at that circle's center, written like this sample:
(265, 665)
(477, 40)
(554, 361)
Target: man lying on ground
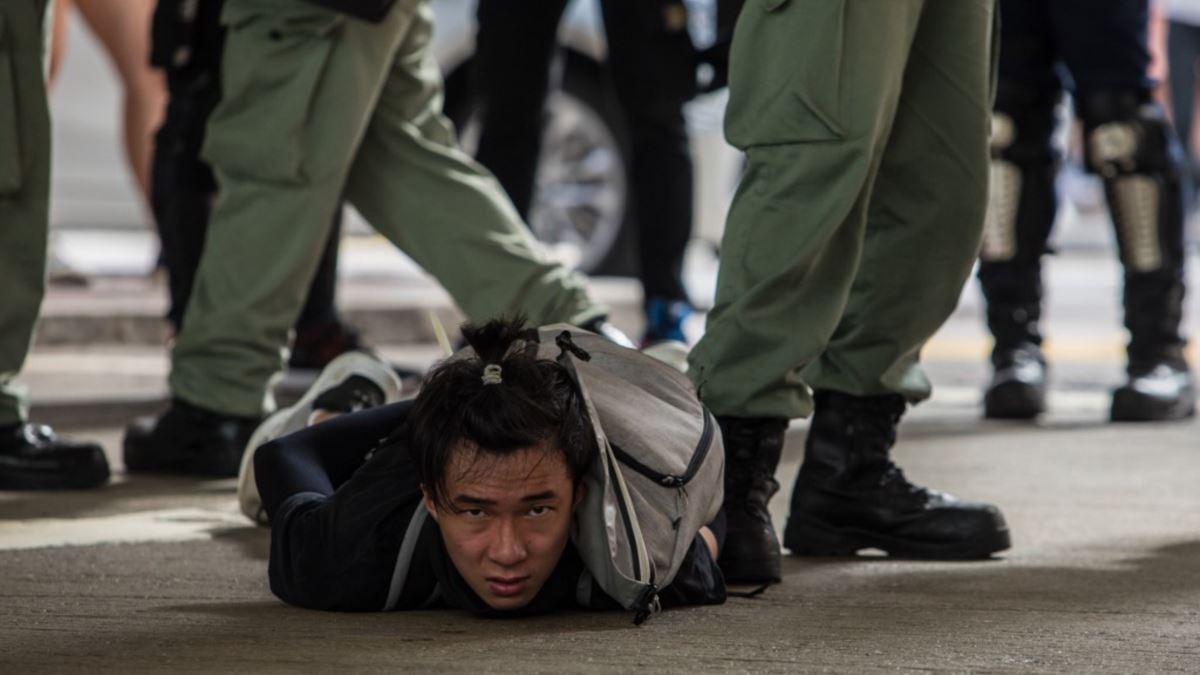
(462, 498)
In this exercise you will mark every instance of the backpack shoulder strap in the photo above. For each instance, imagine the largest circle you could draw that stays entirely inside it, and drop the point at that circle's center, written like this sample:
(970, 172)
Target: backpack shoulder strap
(404, 559)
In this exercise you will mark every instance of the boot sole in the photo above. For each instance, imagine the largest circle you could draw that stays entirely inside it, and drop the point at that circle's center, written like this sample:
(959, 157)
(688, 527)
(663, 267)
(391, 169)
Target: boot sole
(77, 478)
(142, 460)
(1130, 406)
(806, 538)
(756, 571)
(1014, 401)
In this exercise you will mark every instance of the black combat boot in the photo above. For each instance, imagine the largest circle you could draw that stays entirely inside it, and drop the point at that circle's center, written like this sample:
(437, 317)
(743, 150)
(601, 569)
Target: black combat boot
(188, 439)
(1018, 386)
(752, 449)
(1160, 385)
(32, 457)
(850, 496)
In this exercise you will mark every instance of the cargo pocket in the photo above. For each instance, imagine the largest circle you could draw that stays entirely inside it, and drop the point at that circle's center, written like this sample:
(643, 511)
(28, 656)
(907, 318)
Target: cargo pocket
(274, 59)
(786, 73)
(10, 149)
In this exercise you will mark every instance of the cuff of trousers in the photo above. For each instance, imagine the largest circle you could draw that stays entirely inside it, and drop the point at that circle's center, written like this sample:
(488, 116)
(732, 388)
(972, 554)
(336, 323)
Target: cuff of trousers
(226, 398)
(14, 405)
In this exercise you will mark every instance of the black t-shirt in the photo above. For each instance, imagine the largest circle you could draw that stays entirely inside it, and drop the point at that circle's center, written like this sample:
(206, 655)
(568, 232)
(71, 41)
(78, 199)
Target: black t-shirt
(340, 551)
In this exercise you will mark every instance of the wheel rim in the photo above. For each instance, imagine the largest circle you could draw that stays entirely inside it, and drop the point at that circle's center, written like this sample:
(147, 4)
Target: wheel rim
(579, 203)
(580, 188)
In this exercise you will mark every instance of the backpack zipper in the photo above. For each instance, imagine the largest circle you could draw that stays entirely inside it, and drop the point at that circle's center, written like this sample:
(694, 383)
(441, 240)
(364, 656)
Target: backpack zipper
(669, 480)
(633, 536)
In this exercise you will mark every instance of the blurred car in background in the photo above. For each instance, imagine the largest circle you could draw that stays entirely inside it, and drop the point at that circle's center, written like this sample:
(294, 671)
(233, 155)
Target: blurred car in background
(580, 204)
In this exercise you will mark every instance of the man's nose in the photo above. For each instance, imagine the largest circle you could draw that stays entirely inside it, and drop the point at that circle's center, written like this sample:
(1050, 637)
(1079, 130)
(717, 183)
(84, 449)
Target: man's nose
(507, 547)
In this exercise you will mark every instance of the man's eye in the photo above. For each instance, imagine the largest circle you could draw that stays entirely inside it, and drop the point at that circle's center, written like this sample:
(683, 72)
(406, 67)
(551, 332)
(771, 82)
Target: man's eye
(473, 513)
(539, 510)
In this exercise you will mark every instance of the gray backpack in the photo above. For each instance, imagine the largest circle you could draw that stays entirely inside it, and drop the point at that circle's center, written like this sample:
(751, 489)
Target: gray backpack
(658, 476)
(657, 479)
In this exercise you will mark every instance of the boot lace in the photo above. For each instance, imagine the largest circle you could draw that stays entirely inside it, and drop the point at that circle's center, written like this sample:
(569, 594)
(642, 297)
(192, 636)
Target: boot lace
(872, 426)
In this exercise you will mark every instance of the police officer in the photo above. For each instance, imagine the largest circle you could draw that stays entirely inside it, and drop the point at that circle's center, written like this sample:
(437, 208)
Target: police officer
(187, 42)
(653, 64)
(1130, 144)
(855, 225)
(31, 456)
(318, 103)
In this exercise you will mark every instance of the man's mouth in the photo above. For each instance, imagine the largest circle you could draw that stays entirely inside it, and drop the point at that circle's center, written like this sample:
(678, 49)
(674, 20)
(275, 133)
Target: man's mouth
(507, 586)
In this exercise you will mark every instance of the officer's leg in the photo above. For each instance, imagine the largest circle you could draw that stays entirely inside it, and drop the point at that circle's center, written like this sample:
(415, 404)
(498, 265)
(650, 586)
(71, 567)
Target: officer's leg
(813, 135)
(24, 194)
(298, 87)
(320, 335)
(1131, 145)
(926, 210)
(1183, 52)
(183, 186)
(30, 455)
(510, 75)
(413, 184)
(1021, 210)
(923, 232)
(654, 69)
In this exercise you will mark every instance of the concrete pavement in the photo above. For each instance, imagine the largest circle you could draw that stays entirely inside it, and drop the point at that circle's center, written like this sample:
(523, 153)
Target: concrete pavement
(1104, 576)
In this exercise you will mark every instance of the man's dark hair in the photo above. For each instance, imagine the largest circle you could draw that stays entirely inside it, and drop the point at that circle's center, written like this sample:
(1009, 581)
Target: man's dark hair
(528, 403)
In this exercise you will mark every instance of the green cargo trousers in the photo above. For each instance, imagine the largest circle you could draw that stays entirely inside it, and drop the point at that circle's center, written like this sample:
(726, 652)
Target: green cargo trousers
(857, 221)
(24, 192)
(317, 105)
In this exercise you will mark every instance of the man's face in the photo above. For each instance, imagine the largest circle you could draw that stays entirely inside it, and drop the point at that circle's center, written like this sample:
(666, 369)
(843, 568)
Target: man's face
(507, 521)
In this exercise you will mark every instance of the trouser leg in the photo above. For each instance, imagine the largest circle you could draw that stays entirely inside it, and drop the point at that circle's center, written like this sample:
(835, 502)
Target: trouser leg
(654, 72)
(1183, 51)
(413, 184)
(183, 187)
(510, 76)
(926, 213)
(299, 85)
(794, 234)
(1022, 206)
(1022, 200)
(320, 305)
(1132, 146)
(24, 192)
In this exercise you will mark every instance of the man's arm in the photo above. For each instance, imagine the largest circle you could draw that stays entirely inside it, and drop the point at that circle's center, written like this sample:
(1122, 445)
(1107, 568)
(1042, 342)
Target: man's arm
(337, 519)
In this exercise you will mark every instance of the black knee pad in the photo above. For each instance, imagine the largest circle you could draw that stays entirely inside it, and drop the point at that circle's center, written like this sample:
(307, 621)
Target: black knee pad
(1127, 132)
(1131, 145)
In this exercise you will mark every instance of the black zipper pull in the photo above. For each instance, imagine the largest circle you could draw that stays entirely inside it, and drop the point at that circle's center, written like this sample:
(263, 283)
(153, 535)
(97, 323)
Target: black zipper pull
(566, 344)
(646, 605)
